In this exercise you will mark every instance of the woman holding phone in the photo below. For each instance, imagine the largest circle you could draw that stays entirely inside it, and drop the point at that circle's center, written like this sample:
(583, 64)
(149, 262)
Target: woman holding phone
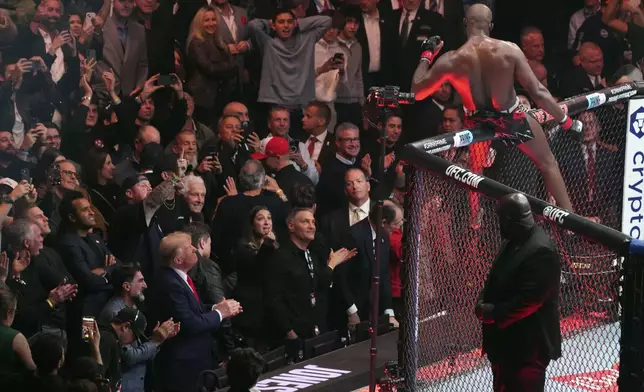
(214, 72)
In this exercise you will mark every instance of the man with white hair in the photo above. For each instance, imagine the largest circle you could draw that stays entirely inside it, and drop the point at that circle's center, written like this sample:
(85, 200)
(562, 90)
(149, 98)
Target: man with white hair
(194, 193)
(183, 358)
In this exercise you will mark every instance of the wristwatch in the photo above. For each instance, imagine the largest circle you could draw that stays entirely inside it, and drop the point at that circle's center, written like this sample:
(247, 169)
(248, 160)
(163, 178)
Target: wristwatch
(6, 199)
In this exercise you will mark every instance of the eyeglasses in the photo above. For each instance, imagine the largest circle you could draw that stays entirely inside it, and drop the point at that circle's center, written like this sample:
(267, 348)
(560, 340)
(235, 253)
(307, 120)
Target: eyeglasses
(349, 139)
(69, 173)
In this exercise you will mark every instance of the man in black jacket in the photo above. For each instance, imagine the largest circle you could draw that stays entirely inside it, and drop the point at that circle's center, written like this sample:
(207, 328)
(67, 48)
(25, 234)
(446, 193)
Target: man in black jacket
(519, 302)
(299, 279)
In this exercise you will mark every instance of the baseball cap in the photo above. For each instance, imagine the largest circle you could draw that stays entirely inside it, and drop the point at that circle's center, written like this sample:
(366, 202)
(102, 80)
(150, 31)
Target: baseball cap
(135, 317)
(275, 147)
(130, 181)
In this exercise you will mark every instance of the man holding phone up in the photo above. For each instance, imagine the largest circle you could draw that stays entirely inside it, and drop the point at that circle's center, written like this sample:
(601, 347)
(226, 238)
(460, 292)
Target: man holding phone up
(57, 48)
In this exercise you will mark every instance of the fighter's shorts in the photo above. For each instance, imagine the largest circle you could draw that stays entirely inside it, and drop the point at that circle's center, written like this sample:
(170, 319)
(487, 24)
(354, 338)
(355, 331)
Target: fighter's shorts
(510, 126)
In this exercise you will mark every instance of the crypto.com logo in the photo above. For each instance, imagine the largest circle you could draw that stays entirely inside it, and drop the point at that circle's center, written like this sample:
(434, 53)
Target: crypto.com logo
(637, 123)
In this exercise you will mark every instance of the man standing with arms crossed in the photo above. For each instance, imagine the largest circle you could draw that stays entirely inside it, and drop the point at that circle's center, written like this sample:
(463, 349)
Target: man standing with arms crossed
(483, 72)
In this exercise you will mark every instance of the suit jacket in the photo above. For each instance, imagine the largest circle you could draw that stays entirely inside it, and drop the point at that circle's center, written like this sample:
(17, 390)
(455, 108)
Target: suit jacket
(224, 35)
(334, 227)
(328, 147)
(575, 83)
(523, 286)
(330, 188)
(606, 201)
(425, 25)
(81, 258)
(190, 352)
(214, 73)
(289, 287)
(354, 277)
(130, 65)
(376, 78)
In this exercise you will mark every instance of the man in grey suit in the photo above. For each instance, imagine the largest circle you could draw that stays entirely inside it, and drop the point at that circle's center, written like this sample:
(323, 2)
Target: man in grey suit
(232, 31)
(124, 48)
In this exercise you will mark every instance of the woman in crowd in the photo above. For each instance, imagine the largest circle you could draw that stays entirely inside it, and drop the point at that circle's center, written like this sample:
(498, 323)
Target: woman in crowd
(40, 176)
(104, 193)
(250, 256)
(214, 72)
(15, 355)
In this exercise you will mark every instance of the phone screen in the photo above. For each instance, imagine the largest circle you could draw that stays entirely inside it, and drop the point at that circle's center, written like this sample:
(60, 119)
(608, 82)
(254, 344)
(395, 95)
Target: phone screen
(165, 80)
(88, 325)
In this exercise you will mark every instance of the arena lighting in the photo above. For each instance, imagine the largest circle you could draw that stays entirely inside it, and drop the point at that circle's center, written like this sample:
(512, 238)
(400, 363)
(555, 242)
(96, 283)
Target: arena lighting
(601, 266)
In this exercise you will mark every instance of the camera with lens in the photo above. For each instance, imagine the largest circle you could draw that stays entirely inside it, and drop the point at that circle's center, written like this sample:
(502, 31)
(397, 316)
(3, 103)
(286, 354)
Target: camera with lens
(390, 97)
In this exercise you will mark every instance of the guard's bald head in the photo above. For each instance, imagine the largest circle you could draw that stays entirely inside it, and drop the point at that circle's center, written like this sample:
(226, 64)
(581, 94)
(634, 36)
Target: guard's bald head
(478, 20)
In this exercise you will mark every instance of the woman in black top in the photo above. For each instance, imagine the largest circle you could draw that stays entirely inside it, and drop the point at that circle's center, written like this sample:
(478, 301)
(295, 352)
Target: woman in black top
(252, 252)
(104, 193)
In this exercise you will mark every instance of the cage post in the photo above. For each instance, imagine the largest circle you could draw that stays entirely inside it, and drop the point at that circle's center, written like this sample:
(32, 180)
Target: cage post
(631, 368)
(409, 326)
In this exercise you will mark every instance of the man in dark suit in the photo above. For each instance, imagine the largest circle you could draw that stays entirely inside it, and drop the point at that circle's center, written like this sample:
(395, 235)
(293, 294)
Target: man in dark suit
(587, 76)
(182, 359)
(335, 225)
(593, 168)
(330, 195)
(124, 48)
(407, 29)
(321, 142)
(519, 302)
(298, 280)
(352, 292)
(232, 31)
(371, 36)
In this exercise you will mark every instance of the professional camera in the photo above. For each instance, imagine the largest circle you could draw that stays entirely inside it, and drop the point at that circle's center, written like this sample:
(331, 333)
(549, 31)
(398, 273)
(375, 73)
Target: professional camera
(390, 97)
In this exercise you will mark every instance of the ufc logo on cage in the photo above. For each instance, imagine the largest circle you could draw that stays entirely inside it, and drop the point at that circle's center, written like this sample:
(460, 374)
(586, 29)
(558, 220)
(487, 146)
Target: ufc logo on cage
(637, 123)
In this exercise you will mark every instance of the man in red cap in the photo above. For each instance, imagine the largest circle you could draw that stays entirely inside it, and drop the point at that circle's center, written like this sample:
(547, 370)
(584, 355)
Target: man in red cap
(277, 163)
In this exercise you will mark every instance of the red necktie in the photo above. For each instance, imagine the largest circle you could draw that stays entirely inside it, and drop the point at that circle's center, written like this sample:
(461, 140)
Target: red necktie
(591, 172)
(326, 4)
(312, 141)
(192, 286)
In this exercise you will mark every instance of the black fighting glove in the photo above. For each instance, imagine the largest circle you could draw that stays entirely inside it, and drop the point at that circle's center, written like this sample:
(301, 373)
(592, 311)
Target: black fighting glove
(430, 48)
(575, 127)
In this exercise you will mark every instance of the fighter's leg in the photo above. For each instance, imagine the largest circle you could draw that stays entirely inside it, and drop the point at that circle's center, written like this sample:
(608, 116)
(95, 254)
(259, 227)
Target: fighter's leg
(539, 152)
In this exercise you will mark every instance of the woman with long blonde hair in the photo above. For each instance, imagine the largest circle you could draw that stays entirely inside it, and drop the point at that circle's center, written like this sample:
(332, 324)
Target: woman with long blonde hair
(214, 72)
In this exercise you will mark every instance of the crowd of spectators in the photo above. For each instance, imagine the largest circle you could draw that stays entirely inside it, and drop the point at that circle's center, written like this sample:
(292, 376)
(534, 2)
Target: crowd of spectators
(182, 180)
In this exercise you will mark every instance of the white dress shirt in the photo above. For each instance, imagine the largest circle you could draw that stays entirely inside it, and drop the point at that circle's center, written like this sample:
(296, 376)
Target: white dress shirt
(184, 277)
(411, 15)
(18, 130)
(317, 148)
(319, 4)
(230, 22)
(57, 69)
(372, 29)
(362, 212)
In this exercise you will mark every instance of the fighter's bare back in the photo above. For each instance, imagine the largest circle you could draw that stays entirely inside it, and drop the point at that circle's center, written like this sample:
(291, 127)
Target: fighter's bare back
(483, 73)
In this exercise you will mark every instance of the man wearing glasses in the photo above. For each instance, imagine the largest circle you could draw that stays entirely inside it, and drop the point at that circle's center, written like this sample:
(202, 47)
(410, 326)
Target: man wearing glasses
(330, 188)
(62, 178)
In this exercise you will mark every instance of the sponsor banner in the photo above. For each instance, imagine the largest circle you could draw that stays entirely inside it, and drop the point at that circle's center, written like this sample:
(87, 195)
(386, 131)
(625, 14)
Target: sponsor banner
(463, 138)
(555, 214)
(300, 379)
(622, 96)
(595, 100)
(632, 207)
(433, 144)
(465, 176)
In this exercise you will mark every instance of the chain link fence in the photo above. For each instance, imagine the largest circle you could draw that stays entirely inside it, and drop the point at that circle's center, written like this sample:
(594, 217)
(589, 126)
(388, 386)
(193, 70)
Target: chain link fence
(454, 238)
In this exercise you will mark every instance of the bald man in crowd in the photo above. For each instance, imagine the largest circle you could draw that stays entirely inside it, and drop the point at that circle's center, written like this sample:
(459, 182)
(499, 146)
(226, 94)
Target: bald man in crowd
(587, 76)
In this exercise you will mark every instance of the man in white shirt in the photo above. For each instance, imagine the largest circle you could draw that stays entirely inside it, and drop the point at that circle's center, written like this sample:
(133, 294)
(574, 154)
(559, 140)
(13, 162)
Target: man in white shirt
(577, 19)
(278, 125)
(370, 37)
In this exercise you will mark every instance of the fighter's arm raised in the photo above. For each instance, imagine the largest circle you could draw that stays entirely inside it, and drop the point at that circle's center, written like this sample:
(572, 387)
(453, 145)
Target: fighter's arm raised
(428, 78)
(537, 91)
